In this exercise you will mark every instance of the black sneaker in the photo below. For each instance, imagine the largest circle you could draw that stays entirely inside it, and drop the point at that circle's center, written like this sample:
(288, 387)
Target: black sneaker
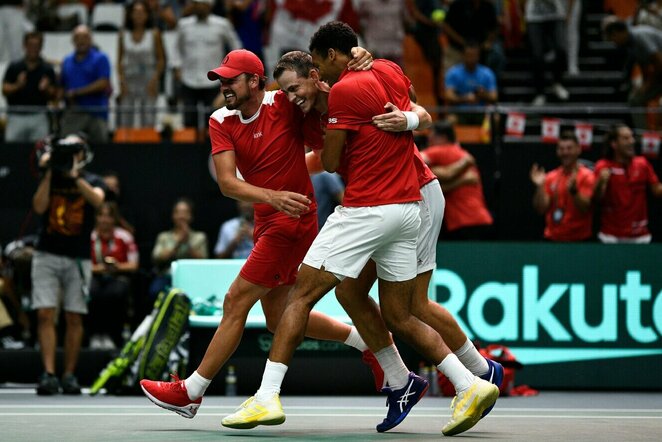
(70, 384)
(48, 385)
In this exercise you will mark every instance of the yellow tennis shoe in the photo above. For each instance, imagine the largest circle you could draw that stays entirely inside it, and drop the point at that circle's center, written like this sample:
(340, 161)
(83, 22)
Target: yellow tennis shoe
(469, 405)
(252, 413)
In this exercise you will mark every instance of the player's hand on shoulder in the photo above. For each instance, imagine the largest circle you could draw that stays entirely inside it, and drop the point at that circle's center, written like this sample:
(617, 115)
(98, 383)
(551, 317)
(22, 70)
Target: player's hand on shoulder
(361, 59)
(393, 120)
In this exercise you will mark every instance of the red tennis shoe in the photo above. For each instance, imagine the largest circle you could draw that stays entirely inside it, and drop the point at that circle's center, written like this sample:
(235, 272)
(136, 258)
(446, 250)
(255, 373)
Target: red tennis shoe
(171, 396)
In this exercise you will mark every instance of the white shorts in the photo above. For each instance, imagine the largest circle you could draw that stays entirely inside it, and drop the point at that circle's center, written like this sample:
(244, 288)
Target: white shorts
(432, 207)
(353, 235)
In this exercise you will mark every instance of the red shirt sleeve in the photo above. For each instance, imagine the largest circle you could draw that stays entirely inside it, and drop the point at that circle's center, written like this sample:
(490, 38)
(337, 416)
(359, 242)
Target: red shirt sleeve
(651, 176)
(344, 112)
(220, 138)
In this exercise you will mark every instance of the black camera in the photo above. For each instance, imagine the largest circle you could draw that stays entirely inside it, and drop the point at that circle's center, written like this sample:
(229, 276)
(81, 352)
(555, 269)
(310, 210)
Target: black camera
(63, 150)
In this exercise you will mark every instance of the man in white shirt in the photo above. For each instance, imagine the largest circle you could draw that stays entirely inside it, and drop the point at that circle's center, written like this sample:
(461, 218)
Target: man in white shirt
(202, 39)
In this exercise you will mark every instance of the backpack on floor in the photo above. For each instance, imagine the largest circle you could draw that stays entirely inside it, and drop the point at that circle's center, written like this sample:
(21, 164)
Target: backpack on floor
(158, 347)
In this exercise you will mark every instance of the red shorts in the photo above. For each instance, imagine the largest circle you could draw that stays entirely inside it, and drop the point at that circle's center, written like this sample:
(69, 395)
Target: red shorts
(280, 245)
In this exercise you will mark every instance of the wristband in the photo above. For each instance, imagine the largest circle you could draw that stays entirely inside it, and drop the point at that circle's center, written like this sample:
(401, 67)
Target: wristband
(412, 120)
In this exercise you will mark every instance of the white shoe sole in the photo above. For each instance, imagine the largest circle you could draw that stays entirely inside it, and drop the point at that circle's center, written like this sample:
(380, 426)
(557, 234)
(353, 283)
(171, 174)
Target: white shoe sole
(188, 411)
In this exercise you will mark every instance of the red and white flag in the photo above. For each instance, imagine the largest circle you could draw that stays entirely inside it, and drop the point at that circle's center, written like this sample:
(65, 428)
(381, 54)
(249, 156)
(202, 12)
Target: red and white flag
(650, 144)
(515, 124)
(584, 132)
(551, 128)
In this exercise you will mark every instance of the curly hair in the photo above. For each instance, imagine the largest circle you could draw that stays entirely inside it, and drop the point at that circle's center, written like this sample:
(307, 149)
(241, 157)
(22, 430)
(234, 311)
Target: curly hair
(333, 35)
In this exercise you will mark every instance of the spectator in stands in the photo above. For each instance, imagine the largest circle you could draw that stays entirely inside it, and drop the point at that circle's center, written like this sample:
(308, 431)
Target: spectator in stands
(29, 82)
(544, 20)
(202, 39)
(247, 16)
(164, 13)
(114, 258)
(235, 237)
(470, 84)
(329, 191)
(564, 194)
(425, 30)
(85, 81)
(13, 25)
(181, 242)
(622, 181)
(114, 194)
(293, 23)
(140, 65)
(473, 21)
(643, 45)
(466, 216)
(382, 27)
(66, 198)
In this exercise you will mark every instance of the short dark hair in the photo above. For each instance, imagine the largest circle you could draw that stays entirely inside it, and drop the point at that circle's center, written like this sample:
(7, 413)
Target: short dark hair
(445, 129)
(610, 137)
(333, 35)
(33, 34)
(569, 135)
(297, 61)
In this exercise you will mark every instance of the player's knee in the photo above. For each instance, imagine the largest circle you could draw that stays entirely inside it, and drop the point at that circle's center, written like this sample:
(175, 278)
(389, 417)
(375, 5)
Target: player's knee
(235, 304)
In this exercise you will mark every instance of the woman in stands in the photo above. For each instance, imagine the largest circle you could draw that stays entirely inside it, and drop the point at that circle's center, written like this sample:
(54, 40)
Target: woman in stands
(140, 64)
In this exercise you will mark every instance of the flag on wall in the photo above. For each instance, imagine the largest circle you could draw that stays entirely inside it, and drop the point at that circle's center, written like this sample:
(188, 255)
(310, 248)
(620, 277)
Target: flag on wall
(650, 144)
(515, 124)
(551, 128)
(584, 132)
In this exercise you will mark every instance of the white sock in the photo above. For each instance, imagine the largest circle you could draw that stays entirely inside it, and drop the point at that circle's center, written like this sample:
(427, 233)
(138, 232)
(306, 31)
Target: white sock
(196, 385)
(272, 379)
(460, 377)
(396, 373)
(470, 358)
(354, 340)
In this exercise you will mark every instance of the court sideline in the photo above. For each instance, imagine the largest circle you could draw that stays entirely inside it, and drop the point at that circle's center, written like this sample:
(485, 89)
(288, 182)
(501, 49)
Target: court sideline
(550, 416)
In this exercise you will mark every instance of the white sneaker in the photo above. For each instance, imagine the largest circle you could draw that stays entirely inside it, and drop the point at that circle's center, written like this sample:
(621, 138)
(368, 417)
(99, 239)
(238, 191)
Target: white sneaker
(560, 92)
(539, 100)
(468, 406)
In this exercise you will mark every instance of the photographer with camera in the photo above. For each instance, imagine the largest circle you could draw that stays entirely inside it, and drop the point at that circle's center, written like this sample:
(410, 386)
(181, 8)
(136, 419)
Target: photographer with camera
(66, 198)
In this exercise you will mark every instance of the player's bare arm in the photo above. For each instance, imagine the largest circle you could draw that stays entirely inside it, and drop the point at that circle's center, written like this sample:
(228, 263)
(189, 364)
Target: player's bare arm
(290, 203)
(395, 120)
(334, 142)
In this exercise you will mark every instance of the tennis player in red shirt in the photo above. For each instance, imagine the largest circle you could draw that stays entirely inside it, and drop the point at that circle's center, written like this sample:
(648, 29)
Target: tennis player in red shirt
(299, 79)
(564, 194)
(379, 220)
(622, 181)
(260, 134)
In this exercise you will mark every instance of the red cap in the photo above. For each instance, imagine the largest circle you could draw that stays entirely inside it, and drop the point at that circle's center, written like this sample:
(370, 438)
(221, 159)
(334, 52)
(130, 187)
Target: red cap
(236, 63)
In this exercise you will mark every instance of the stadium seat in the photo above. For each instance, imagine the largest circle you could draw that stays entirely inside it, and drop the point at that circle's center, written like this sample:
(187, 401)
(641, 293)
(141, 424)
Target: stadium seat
(69, 9)
(184, 135)
(136, 135)
(107, 17)
(471, 134)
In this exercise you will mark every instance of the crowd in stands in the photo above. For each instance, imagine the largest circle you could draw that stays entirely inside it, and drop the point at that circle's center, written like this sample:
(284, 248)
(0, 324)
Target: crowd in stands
(145, 60)
(165, 47)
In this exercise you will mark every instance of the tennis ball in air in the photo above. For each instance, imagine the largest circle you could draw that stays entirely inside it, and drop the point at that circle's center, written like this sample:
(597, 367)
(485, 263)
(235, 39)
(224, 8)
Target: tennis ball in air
(438, 15)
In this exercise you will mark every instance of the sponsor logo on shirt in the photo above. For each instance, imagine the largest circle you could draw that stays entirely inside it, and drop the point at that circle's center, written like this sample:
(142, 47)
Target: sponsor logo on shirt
(333, 120)
(257, 134)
